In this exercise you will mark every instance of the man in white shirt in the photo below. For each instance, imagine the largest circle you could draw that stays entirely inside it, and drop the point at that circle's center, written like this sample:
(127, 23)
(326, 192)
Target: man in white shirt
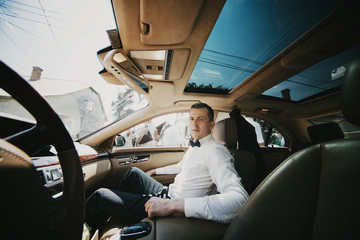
(206, 166)
(259, 136)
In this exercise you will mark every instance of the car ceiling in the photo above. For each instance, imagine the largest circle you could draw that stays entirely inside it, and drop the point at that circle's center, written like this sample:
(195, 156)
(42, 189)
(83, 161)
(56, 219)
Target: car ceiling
(186, 25)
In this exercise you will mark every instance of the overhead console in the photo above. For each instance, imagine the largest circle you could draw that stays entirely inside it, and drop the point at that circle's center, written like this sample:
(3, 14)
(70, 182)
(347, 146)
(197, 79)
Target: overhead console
(154, 40)
(140, 66)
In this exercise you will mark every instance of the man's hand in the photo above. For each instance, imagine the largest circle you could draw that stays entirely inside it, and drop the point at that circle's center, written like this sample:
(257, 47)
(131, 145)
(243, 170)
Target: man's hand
(160, 207)
(151, 172)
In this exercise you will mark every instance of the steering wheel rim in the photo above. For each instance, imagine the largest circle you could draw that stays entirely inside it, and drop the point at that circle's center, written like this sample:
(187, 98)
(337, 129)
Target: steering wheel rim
(63, 219)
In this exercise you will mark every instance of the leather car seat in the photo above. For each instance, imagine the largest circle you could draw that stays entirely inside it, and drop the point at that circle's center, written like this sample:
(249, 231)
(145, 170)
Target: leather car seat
(325, 132)
(247, 140)
(245, 162)
(191, 228)
(315, 193)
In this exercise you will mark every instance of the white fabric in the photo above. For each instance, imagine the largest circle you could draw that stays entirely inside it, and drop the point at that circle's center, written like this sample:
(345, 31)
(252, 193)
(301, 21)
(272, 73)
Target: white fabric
(171, 169)
(259, 136)
(171, 137)
(200, 170)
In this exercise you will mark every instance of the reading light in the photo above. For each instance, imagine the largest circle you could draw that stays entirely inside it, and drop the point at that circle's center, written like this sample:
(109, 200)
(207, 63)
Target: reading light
(154, 77)
(268, 111)
(263, 110)
(119, 58)
(149, 55)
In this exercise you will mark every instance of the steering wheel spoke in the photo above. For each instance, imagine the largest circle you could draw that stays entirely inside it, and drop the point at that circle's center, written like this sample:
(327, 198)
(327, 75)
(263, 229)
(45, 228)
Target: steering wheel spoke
(26, 204)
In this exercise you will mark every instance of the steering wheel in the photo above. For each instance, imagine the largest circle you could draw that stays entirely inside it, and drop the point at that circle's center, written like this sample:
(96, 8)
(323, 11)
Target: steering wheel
(27, 208)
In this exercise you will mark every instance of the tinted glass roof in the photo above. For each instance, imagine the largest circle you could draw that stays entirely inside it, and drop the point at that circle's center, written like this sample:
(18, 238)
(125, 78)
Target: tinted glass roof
(326, 75)
(247, 35)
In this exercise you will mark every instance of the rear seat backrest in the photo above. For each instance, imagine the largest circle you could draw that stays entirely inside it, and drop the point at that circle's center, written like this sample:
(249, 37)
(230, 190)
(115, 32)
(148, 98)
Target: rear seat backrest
(325, 132)
(247, 140)
(225, 131)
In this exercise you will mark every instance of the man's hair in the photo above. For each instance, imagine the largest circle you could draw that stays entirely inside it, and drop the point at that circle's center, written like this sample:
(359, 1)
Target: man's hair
(204, 105)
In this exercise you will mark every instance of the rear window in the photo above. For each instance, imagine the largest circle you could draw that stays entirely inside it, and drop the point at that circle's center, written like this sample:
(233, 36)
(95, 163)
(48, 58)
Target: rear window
(267, 134)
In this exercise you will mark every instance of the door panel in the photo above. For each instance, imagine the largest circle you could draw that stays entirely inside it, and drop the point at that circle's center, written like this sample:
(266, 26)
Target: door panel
(95, 173)
(145, 159)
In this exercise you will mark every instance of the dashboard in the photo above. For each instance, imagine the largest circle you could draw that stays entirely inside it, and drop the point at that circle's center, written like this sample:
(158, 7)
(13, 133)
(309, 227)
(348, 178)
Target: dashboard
(51, 176)
(49, 170)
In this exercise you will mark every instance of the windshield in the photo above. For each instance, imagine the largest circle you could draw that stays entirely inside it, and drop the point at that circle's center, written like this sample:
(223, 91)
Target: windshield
(53, 45)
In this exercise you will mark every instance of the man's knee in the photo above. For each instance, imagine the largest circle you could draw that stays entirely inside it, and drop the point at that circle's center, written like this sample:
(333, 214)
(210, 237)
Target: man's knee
(133, 171)
(105, 199)
(101, 193)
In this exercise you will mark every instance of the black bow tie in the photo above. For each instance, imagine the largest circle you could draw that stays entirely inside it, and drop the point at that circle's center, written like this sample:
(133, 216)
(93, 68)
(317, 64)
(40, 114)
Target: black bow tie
(196, 143)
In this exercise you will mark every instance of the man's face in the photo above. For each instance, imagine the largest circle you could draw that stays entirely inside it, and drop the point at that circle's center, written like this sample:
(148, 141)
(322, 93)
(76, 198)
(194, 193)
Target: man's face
(199, 123)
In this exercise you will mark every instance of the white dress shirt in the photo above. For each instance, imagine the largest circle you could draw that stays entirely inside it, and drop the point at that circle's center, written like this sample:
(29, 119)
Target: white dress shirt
(199, 172)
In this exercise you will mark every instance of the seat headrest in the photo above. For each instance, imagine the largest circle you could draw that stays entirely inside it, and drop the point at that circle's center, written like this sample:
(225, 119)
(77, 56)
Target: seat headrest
(225, 132)
(325, 132)
(351, 93)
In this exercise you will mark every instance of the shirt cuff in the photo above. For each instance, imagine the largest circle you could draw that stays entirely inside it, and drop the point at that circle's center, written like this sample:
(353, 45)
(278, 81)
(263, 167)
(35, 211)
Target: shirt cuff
(161, 170)
(170, 169)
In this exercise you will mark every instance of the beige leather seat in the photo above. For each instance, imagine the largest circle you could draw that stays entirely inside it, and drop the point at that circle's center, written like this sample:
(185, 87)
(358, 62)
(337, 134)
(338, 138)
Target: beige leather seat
(315, 193)
(179, 227)
(245, 163)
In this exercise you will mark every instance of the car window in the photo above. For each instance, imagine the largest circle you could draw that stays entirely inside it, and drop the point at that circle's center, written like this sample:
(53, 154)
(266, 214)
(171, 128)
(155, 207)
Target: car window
(15, 117)
(12, 109)
(61, 63)
(166, 130)
(272, 136)
(84, 110)
(266, 134)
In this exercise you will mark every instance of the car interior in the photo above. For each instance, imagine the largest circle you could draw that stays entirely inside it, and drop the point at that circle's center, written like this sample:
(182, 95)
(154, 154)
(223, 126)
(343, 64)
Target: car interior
(298, 76)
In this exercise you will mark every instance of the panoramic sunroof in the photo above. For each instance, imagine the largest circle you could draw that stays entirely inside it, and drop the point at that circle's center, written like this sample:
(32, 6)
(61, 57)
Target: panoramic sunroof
(247, 35)
(326, 75)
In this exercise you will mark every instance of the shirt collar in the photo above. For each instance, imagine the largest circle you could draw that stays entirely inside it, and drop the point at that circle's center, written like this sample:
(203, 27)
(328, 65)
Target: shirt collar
(204, 139)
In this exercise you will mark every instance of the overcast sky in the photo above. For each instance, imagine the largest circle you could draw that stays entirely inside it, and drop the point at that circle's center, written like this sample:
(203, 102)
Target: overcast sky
(60, 36)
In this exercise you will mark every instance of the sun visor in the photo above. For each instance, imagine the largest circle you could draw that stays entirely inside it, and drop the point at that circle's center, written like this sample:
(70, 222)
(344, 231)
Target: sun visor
(165, 22)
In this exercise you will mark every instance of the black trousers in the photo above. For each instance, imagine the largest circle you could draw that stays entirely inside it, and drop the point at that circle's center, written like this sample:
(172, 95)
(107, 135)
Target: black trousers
(126, 201)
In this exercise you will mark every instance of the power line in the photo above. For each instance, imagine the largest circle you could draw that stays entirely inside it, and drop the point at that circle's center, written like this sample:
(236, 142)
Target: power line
(228, 61)
(15, 25)
(17, 8)
(224, 65)
(52, 32)
(30, 6)
(17, 46)
(48, 17)
(233, 56)
(35, 21)
(304, 84)
(47, 20)
(209, 61)
(250, 71)
(244, 63)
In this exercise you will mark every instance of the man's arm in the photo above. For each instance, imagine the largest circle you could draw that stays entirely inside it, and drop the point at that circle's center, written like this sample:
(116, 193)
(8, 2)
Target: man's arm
(151, 172)
(170, 169)
(160, 207)
(220, 207)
